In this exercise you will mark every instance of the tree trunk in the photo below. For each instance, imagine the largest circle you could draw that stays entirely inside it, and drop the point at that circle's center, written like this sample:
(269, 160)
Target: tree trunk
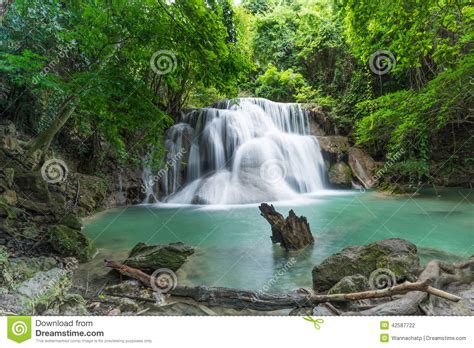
(293, 233)
(44, 140)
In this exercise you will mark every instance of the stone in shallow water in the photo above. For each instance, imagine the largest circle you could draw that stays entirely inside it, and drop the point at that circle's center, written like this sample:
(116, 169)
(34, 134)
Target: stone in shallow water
(149, 258)
(397, 256)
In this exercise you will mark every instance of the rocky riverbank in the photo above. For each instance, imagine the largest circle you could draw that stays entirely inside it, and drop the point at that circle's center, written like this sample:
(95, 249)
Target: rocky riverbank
(40, 228)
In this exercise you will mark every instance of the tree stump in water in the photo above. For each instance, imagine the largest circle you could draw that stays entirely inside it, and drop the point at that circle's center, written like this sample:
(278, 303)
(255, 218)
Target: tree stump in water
(292, 233)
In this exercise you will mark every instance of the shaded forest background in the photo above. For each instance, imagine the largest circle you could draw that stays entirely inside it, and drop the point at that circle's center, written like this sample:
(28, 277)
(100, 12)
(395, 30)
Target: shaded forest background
(78, 76)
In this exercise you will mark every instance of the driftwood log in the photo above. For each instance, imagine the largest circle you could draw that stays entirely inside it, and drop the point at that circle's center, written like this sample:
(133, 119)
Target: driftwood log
(293, 233)
(242, 299)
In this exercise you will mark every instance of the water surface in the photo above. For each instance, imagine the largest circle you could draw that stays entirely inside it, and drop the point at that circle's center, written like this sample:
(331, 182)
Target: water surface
(233, 242)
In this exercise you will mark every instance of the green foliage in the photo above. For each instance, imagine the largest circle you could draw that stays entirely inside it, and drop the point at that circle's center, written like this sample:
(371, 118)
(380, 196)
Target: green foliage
(410, 120)
(94, 58)
(425, 36)
(279, 85)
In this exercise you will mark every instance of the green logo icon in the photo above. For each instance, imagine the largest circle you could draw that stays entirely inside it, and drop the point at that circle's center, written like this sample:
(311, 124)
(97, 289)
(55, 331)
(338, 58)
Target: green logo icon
(384, 338)
(19, 328)
(316, 322)
(384, 325)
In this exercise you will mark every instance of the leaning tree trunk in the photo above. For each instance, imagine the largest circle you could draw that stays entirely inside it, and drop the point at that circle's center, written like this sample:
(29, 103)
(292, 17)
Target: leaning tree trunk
(293, 233)
(44, 140)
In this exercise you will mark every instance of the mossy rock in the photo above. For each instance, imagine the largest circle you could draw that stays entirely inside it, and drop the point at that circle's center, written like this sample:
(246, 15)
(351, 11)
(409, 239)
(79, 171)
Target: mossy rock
(70, 220)
(396, 255)
(340, 174)
(7, 211)
(70, 242)
(23, 268)
(6, 279)
(33, 186)
(149, 258)
(70, 304)
(39, 292)
(350, 284)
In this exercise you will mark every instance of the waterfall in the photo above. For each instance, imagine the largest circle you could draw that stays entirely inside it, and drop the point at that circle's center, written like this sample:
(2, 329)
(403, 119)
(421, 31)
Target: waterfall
(248, 150)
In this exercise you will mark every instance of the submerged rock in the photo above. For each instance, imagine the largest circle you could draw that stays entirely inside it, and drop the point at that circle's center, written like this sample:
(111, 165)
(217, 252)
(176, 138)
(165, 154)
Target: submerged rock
(149, 258)
(70, 242)
(392, 257)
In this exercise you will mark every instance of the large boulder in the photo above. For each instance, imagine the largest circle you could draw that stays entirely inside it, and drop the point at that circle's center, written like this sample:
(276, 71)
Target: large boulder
(363, 166)
(393, 258)
(333, 148)
(320, 121)
(37, 293)
(32, 186)
(23, 267)
(70, 242)
(149, 258)
(340, 175)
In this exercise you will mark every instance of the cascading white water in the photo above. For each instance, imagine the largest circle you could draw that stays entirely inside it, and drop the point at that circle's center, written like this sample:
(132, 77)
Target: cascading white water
(245, 151)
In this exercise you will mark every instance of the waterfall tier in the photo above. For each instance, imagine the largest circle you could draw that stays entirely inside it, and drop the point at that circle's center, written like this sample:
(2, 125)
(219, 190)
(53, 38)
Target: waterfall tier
(248, 150)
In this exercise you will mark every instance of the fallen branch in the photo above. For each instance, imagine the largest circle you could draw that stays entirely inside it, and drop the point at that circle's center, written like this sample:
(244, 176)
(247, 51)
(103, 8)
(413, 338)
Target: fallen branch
(410, 303)
(238, 298)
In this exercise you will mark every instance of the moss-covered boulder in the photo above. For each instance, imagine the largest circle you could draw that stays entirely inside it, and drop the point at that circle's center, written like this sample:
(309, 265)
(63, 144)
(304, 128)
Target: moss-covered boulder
(23, 268)
(149, 258)
(354, 283)
(71, 221)
(395, 256)
(340, 175)
(70, 242)
(37, 293)
(33, 186)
